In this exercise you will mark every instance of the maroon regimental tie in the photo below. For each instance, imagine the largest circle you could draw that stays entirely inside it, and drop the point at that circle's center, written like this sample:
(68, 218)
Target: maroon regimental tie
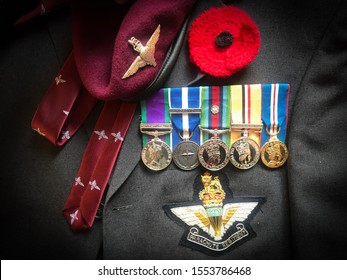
(61, 113)
(121, 62)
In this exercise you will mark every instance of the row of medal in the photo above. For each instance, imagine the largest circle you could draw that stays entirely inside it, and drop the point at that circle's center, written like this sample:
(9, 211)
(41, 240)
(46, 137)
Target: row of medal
(227, 121)
(213, 154)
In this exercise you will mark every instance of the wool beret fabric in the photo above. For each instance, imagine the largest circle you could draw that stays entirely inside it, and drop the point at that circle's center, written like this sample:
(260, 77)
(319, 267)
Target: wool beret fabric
(100, 34)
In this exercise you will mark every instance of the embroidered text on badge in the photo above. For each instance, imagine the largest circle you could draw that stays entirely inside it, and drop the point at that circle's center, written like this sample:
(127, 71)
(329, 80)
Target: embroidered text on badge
(215, 227)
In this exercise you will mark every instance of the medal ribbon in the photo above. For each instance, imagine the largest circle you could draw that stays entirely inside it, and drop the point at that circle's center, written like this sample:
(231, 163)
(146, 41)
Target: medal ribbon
(185, 123)
(215, 98)
(246, 103)
(274, 111)
(155, 110)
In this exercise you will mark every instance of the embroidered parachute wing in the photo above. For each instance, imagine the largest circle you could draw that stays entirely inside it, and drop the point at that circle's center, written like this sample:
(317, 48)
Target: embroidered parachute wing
(193, 216)
(233, 212)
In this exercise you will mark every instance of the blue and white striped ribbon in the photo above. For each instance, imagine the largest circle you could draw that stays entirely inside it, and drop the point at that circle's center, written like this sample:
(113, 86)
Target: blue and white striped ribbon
(185, 123)
(274, 110)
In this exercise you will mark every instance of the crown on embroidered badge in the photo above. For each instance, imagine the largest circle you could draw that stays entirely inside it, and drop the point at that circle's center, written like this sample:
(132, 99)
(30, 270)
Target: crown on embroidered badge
(212, 194)
(212, 197)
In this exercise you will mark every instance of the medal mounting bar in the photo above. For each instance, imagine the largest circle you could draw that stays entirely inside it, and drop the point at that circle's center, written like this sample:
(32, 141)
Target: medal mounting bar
(185, 111)
(156, 129)
(214, 132)
(155, 126)
(246, 127)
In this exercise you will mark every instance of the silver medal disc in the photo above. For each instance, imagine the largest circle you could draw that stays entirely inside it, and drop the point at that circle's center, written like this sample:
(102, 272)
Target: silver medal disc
(214, 154)
(156, 155)
(185, 155)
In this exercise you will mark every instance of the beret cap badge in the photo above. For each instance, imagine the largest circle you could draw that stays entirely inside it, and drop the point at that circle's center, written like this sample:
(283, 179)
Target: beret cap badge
(146, 53)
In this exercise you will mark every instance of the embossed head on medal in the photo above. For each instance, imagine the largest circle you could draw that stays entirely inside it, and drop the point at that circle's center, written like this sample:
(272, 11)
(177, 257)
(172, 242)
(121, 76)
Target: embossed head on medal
(274, 153)
(156, 154)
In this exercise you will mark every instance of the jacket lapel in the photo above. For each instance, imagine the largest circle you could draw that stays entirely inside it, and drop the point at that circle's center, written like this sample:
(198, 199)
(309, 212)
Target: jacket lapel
(128, 158)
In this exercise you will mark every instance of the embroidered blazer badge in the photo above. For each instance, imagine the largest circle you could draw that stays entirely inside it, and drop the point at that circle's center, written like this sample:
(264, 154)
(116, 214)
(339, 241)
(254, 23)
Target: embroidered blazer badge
(213, 226)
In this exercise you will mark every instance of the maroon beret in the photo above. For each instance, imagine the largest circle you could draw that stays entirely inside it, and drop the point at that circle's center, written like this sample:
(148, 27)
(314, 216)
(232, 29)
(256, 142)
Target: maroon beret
(120, 50)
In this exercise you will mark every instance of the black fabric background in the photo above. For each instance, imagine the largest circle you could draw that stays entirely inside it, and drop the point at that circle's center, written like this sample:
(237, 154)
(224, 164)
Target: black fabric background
(318, 164)
(303, 43)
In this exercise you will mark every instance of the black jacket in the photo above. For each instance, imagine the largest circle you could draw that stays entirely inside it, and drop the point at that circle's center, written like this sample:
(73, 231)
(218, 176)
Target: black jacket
(303, 43)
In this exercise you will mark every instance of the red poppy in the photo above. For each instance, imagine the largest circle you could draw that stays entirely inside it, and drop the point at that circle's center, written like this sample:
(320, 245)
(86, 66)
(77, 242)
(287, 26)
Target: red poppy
(223, 40)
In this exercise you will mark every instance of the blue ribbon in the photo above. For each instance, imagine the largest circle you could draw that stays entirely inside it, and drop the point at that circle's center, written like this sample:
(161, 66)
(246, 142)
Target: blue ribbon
(267, 103)
(176, 102)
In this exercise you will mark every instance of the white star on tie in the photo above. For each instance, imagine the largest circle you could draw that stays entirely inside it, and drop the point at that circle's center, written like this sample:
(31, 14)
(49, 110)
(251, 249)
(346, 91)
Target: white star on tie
(66, 112)
(117, 136)
(93, 185)
(65, 135)
(59, 80)
(73, 216)
(39, 131)
(101, 134)
(78, 182)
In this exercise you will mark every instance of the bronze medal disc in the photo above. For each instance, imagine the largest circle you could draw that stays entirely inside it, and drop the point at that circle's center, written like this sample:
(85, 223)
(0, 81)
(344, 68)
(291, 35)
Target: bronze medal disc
(185, 155)
(244, 153)
(214, 154)
(274, 154)
(156, 155)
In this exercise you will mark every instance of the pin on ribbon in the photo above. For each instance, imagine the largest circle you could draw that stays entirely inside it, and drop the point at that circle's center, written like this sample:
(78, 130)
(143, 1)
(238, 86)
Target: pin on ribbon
(215, 127)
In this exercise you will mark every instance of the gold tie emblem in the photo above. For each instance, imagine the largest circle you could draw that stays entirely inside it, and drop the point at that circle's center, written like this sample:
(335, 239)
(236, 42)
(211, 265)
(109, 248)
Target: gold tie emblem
(146, 56)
